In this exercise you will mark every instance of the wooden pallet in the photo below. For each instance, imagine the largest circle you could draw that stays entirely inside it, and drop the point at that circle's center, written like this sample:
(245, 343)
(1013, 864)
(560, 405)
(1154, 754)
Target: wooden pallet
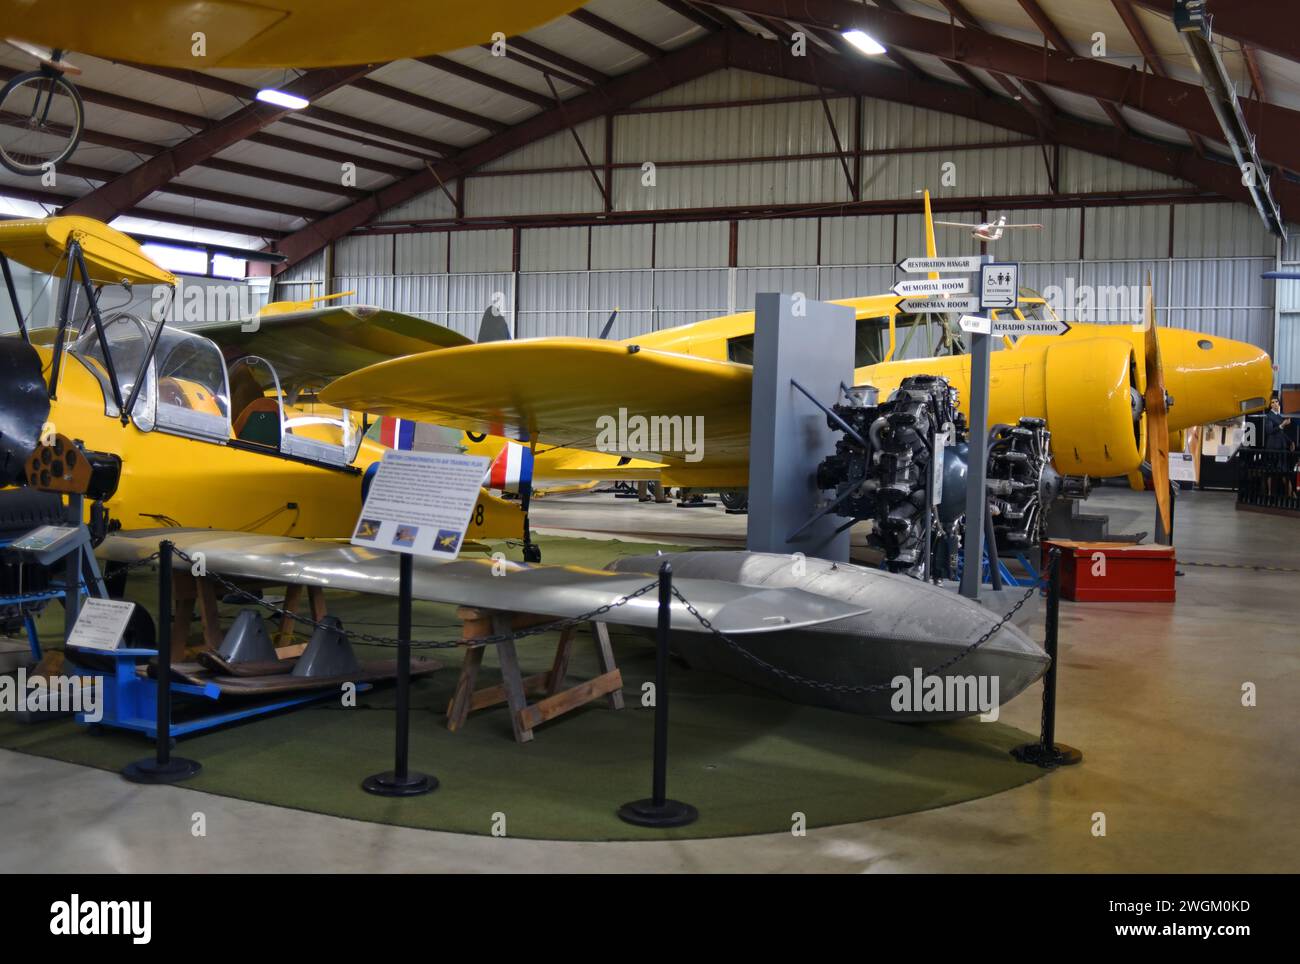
(515, 689)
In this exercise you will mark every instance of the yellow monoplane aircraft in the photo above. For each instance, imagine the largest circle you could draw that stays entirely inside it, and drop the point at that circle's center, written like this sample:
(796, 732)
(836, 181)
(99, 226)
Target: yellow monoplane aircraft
(1097, 387)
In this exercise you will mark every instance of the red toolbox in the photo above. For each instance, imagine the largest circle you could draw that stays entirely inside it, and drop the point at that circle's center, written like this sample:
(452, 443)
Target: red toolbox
(1114, 571)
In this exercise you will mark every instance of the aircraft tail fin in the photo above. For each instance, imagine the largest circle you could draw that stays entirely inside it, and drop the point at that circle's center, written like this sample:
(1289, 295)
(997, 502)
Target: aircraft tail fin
(931, 249)
(493, 327)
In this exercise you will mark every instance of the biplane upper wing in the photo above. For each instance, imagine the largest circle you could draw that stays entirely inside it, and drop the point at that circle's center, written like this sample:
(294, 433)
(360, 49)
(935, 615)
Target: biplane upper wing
(560, 591)
(317, 345)
(570, 392)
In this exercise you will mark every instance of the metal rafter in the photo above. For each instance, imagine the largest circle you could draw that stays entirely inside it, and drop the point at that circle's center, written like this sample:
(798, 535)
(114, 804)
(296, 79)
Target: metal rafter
(428, 104)
(1052, 34)
(1037, 103)
(900, 58)
(625, 37)
(1149, 53)
(769, 210)
(700, 18)
(885, 83)
(1163, 98)
(476, 76)
(249, 95)
(533, 48)
(166, 217)
(125, 191)
(687, 63)
(196, 193)
(199, 123)
(1266, 24)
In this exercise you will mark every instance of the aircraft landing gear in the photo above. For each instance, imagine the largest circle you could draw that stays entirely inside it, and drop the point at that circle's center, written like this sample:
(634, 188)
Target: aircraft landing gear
(532, 552)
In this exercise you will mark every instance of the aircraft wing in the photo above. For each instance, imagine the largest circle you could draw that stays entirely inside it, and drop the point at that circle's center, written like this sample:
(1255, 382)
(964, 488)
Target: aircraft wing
(958, 224)
(566, 392)
(560, 591)
(320, 344)
(1016, 227)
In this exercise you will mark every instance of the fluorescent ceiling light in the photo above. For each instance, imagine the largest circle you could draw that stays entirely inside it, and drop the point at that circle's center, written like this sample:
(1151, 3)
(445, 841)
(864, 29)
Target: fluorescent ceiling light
(868, 44)
(280, 99)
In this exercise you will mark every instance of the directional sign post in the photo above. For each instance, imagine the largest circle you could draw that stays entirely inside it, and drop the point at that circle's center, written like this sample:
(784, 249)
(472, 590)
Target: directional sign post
(967, 263)
(999, 289)
(928, 306)
(933, 286)
(1009, 327)
(999, 284)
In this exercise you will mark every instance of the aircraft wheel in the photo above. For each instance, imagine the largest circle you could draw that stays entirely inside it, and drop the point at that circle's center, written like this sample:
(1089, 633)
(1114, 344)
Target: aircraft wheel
(734, 500)
(532, 553)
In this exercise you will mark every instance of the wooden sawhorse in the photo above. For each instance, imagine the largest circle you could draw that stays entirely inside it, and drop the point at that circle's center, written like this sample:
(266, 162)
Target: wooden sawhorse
(188, 589)
(515, 688)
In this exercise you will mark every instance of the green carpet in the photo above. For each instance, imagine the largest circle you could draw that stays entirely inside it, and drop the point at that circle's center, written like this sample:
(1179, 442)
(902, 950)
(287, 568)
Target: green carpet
(749, 761)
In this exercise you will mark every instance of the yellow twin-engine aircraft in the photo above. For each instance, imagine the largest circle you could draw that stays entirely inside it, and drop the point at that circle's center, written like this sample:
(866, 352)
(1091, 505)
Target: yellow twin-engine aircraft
(217, 436)
(1097, 387)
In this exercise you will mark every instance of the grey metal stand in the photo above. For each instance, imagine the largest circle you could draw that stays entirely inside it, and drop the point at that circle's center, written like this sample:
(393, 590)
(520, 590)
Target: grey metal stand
(976, 465)
(789, 435)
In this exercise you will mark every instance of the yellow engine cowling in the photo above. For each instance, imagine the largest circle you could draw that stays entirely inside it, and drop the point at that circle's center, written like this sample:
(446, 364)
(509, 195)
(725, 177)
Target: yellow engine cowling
(1086, 384)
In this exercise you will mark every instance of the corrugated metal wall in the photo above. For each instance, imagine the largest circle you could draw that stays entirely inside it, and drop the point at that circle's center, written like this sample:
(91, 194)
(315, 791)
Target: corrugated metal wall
(1287, 354)
(1204, 259)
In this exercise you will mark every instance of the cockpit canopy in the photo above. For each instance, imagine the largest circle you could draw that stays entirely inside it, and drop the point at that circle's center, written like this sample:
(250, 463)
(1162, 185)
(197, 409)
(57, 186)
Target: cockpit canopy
(188, 391)
(185, 390)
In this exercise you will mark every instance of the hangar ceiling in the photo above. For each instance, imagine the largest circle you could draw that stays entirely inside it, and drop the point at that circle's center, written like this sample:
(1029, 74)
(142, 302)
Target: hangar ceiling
(184, 153)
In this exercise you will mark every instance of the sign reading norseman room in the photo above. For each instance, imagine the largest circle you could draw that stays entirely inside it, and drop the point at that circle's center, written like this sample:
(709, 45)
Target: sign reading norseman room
(421, 503)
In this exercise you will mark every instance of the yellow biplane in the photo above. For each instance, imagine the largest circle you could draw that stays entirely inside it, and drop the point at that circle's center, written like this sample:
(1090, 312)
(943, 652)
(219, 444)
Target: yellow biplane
(210, 435)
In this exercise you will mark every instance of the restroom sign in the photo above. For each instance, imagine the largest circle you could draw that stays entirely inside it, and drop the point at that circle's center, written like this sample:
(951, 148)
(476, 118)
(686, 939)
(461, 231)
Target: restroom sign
(999, 284)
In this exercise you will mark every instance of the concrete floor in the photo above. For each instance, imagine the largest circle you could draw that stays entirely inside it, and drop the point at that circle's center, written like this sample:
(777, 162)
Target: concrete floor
(1186, 777)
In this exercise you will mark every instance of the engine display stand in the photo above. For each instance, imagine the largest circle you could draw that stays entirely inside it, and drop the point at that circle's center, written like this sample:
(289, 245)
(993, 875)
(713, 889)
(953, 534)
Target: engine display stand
(797, 342)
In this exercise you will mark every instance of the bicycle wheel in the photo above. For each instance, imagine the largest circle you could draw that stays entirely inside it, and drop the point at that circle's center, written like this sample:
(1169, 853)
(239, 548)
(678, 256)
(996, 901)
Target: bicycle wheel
(41, 118)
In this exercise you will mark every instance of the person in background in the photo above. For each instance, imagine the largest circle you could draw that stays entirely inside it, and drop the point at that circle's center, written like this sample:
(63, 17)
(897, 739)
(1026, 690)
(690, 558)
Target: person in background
(1276, 440)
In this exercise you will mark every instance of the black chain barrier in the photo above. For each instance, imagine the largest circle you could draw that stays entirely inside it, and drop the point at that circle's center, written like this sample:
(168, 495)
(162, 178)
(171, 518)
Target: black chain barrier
(594, 614)
(845, 687)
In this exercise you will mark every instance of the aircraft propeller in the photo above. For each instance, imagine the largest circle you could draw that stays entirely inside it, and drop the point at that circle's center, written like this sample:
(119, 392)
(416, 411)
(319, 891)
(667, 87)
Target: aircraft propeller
(1156, 407)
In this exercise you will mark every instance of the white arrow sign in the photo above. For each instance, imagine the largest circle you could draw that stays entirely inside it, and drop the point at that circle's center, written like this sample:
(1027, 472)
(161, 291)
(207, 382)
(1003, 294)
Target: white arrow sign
(1012, 326)
(939, 286)
(970, 263)
(924, 306)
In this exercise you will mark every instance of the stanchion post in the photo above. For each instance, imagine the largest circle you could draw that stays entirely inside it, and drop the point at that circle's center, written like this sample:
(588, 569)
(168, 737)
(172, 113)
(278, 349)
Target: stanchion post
(399, 781)
(1047, 753)
(163, 768)
(658, 810)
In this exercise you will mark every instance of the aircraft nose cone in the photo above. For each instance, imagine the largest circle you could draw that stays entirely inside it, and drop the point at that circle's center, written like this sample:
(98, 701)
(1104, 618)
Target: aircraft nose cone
(24, 406)
(1212, 378)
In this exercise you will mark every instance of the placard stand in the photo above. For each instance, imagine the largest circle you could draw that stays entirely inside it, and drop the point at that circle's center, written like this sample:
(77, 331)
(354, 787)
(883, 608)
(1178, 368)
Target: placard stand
(658, 810)
(399, 781)
(163, 768)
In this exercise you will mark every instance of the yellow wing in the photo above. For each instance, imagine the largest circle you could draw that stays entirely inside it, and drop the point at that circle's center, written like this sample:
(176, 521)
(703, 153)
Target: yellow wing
(320, 344)
(111, 257)
(287, 33)
(573, 392)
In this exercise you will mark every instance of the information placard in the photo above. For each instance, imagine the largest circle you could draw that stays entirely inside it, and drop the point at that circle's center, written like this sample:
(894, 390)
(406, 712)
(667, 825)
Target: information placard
(420, 503)
(101, 623)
